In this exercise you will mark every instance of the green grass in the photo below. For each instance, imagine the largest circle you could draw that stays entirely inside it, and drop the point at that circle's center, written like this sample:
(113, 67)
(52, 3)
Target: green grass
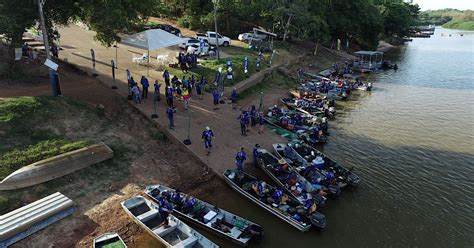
(17, 158)
(460, 24)
(275, 79)
(237, 53)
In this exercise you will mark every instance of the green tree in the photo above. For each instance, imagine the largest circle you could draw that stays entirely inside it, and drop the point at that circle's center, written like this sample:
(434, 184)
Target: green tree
(398, 18)
(107, 18)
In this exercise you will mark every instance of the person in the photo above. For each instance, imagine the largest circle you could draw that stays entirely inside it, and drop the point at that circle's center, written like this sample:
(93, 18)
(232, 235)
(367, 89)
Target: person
(260, 188)
(169, 96)
(240, 159)
(192, 83)
(157, 90)
(174, 81)
(170, 113)
(186, 97)
(136, 94)
(276, 197)
(164, 211)
(185, 82)
(243, 128)
(256, 154)
(145, 85)
(207, 136)
(261, 122)
(247, 119)
(233, 98)
(166, 76)
(203, 82)
(199, 91)
(179, 93)
(24, 49)
(253, 116)
(215, 97)
(54, 50)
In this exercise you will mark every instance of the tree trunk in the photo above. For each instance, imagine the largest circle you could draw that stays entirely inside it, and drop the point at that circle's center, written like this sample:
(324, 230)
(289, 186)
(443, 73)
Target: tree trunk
(287, 27)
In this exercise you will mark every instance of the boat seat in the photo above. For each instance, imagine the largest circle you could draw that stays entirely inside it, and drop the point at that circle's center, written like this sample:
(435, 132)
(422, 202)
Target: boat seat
(235, 232)
(189, 242)
(162, 230)
(209, 216)
(148, 215)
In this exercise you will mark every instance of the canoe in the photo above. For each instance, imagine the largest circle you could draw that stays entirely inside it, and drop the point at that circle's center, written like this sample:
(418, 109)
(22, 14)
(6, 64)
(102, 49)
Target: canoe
(109, 240)
(318, 179)
(225, 224)
(177, 234)
(306, 105)
(288, 212)
(297, 121)
(304, 155)
(290, 180)
(279, 130)
(301, 134)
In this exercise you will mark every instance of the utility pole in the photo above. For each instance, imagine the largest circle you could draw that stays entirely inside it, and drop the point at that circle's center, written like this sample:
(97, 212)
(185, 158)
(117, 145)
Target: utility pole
(215, 27)
(46, 47)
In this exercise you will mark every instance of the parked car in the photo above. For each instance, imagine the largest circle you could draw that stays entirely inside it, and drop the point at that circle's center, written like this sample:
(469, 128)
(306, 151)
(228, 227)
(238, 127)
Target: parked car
(211, 38)
(166, 27)
(247, 37)
(205, 50)
(190, 42)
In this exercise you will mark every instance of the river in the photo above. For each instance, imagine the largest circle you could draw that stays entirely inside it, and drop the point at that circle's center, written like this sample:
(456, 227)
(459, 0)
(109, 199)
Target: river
(412, 141)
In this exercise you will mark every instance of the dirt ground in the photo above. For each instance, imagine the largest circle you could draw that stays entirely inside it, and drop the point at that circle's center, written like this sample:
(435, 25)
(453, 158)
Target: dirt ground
(98, 209)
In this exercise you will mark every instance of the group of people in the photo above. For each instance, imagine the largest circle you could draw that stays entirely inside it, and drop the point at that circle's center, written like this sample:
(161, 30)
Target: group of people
(187, 61)
(138, 94)
(251, 117)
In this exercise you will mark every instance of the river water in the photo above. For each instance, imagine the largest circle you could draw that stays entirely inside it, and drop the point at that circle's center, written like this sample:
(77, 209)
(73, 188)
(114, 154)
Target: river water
(412, 141)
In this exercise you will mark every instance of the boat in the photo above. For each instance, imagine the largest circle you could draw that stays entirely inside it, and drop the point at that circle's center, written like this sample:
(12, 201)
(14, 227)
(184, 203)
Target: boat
(297, 121)
(225, 224)
(177, 234)
(290, 211)
(288, 178)
(109, 240)
(314, 107)
(304, 156)
(311, 135)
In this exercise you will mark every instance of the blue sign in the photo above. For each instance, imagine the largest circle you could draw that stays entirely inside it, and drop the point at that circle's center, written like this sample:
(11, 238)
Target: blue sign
(246, 65)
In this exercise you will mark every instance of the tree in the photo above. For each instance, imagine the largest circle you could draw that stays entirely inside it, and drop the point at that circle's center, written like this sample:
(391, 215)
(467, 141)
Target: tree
(399, 17)
(107, 18)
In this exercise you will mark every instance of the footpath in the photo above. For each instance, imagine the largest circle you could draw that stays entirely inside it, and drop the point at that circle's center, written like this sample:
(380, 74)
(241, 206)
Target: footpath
(77, 42)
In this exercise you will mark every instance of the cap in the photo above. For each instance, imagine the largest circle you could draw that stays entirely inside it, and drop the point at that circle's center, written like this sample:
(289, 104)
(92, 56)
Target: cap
(208, 128)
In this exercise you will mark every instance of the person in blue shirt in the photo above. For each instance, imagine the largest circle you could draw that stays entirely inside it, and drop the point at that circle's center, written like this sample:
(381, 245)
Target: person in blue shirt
(145, 85)
(253, 116)
(215, 98)
(170, 114)
(233, 98)
(199, 90)
(207, 136)
(157, 90)
(277, 196)
(192, 84)
(240, 159)
(256, 155)
(247, 119)
(243, 128)
(166, 76)
(261, 121)
(169, 96)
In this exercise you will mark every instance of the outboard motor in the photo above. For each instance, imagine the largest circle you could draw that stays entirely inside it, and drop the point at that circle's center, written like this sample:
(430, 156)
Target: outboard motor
(369, 86)
(334, 190)
(257, 232)
(318, 220)
(319, 200)
(353, 180)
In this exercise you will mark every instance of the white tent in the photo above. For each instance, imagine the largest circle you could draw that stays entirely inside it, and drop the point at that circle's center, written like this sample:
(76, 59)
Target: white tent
(151, 39)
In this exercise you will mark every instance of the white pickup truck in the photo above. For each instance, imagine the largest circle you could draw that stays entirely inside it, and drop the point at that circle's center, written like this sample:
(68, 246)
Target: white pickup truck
(211, 38)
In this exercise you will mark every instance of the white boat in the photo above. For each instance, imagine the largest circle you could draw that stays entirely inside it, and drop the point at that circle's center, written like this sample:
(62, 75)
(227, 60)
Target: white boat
(177, 234)
(221, 222)
(109, 240)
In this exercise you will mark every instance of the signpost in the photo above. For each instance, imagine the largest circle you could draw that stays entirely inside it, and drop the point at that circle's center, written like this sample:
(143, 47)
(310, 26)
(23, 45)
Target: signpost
(112, 64)
(93, 62)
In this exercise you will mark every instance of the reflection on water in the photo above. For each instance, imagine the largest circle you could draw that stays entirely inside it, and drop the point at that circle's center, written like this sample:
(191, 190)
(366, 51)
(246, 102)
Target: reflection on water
(412, 142)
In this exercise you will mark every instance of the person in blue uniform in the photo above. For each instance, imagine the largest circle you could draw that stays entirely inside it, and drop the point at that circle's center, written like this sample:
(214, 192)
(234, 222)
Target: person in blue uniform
(233, 98)
(256, 154)
(170, 114)
(247, 119)
(261, 121)
(253, 116)
(215, 98)
(207, 136)
(243, 128)
(240, 159)
(145, 84)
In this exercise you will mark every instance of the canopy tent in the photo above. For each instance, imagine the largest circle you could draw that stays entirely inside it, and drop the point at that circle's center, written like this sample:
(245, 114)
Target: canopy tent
(151, 39)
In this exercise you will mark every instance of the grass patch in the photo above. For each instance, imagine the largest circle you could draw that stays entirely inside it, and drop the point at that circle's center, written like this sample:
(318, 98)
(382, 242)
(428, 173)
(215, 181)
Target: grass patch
(460, 24)
(17, 158)
(275, 79)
